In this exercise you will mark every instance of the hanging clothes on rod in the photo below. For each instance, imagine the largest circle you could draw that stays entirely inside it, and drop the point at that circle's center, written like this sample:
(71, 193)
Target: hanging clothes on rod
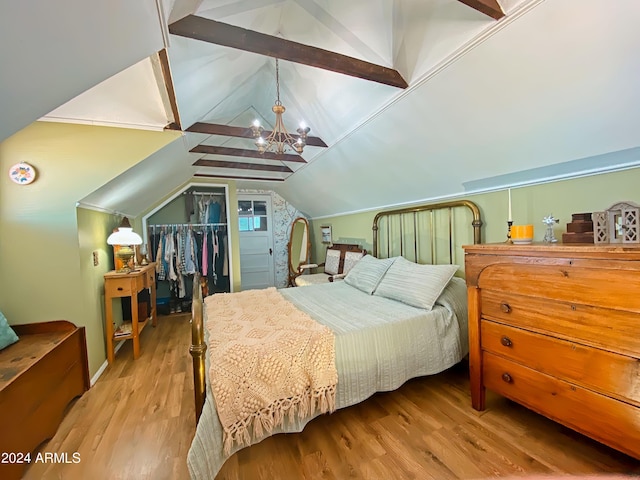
(211, 208)
(191, 205)
(184, 249)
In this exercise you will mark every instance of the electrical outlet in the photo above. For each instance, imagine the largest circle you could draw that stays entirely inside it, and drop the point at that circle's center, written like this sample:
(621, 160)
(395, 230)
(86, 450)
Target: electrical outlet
(96, 260)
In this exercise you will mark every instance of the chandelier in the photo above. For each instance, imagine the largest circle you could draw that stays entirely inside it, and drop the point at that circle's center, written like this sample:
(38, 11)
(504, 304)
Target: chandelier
(279, 138)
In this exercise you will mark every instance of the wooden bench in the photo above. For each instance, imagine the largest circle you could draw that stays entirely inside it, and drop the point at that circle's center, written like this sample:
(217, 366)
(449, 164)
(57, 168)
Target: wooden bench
(39, 376)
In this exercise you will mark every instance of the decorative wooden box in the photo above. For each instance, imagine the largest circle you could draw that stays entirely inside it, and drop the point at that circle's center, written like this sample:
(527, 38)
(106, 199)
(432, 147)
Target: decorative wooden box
(618, 224)
(580, 230)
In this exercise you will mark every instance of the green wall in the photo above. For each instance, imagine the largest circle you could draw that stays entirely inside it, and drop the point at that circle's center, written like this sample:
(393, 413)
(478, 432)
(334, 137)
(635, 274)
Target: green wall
(529, 205)
(93, 228)
(46, 243)
(172, 212)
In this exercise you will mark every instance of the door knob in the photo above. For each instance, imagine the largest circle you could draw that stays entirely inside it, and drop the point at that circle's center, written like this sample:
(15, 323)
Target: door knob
(270, 251)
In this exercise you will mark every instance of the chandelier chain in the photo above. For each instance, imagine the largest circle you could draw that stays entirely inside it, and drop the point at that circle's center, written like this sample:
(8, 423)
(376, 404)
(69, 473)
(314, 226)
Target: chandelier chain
(278, 102)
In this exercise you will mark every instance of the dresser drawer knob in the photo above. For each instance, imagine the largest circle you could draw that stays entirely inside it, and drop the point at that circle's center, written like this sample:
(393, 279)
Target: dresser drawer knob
(506, 341)
(507, 378)
(120, 289)
(505, 307)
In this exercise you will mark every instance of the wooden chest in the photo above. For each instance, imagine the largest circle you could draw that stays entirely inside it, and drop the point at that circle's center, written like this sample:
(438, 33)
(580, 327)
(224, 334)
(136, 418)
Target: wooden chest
(556, 328)
(39, 376)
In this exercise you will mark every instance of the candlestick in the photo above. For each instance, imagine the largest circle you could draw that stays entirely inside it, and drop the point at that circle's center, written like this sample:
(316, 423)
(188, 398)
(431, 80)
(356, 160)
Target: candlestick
(510, 217)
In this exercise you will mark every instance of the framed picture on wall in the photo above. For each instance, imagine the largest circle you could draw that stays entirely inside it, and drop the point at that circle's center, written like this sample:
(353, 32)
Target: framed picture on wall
(326, 233)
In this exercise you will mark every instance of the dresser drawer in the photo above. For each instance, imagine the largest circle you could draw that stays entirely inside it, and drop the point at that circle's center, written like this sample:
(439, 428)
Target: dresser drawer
(605, 419)
(120, 287)
(606, 372)
(613, 330)
(602, 287)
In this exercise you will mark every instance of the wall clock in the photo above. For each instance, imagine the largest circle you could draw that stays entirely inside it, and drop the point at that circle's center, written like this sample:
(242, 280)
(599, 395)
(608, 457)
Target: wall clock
(22, 173)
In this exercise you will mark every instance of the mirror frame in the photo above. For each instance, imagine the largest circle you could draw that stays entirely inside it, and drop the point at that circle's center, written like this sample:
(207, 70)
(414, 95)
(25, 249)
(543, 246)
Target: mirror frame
(294, 271)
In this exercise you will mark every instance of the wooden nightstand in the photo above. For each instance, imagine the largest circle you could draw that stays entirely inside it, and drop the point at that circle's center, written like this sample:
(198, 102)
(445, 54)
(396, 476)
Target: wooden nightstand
(117, 285)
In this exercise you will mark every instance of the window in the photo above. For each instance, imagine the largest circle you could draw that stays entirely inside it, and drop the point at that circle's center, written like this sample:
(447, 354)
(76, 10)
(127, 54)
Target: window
(252, 215)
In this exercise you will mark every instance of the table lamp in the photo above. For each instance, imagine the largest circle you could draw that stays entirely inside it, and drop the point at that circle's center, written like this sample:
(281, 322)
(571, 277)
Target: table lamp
(124, 237)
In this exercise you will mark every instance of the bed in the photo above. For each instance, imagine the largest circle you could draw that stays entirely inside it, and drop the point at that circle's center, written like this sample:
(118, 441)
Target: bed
(382, 331)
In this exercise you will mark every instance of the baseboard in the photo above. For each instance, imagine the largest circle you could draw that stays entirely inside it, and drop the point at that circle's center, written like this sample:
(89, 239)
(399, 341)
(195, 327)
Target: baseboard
(102, 368)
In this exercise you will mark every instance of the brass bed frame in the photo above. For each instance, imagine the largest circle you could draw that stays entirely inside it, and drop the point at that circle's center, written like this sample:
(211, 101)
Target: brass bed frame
(395, 232)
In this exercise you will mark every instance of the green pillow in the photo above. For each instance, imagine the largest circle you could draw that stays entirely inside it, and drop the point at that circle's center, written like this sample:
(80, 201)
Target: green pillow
(415, 284)
(367, 273)
(7, 335)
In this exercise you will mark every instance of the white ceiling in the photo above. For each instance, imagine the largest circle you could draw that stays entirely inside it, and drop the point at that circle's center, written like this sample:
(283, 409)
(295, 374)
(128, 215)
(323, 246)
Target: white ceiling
(552, 82)
(52, 51)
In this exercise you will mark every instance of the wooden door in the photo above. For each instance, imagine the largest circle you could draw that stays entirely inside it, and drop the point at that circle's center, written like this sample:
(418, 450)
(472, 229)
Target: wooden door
(256, 241)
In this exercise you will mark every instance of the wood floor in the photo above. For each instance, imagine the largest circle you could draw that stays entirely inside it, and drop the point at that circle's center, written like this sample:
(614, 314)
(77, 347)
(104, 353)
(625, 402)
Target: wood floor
(137, 423)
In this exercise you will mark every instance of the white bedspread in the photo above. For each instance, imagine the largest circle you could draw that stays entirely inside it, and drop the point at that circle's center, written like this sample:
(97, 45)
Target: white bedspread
(380, 344)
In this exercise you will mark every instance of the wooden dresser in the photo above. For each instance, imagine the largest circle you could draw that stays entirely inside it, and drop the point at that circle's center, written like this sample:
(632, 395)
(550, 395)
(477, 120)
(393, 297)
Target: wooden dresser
(557, 329)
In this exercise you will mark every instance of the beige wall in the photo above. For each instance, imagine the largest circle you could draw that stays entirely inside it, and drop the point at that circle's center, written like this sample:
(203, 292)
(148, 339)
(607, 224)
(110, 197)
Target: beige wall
(45, 241)
(529, 205)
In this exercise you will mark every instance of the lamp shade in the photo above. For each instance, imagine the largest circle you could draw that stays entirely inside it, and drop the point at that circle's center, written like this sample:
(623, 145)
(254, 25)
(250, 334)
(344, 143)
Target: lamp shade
(124, 235)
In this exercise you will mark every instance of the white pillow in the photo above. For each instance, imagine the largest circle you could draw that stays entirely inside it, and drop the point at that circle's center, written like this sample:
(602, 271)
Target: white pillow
(415, 284)
(367, 273)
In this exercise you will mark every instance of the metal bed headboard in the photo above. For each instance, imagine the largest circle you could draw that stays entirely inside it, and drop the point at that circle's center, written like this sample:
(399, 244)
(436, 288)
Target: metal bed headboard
(430, 232)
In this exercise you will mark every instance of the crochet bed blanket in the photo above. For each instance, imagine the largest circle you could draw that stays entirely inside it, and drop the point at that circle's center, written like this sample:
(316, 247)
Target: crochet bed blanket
(269, 361)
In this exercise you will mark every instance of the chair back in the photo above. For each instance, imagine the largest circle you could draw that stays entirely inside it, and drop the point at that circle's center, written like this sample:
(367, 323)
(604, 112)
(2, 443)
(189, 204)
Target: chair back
(341, 257)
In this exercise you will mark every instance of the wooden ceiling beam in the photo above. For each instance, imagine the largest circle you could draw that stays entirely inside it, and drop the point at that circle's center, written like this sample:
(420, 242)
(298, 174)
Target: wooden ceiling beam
(241, 152)
(488, 7)
(241, 132)
(264, 179)
(163, 57)
(242, 165)
(219, 33)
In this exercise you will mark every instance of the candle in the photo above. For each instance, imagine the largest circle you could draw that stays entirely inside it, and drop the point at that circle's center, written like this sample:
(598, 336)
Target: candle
(510, 219)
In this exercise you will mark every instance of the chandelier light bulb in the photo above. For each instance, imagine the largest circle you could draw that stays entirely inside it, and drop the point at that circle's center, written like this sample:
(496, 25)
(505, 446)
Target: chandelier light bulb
(303, 130)
(256, 129)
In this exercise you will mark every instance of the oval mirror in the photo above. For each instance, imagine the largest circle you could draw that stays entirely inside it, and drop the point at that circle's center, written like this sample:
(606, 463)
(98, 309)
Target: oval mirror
(299, 247)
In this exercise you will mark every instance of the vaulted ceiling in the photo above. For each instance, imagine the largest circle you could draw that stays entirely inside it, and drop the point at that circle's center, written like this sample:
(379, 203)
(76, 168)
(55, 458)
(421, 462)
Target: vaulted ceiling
(414, 99)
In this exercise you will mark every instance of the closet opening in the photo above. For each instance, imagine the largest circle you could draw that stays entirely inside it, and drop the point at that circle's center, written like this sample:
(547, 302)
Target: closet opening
(189, 234)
